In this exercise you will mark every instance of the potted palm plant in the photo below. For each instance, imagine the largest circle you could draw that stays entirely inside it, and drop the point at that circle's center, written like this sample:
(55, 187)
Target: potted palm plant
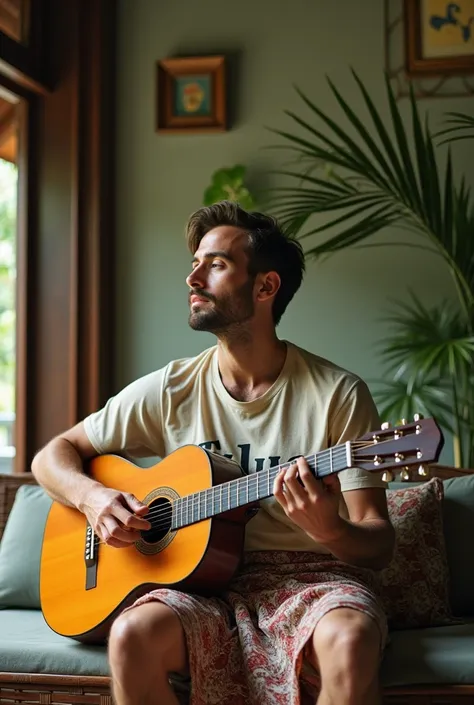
(390, 176)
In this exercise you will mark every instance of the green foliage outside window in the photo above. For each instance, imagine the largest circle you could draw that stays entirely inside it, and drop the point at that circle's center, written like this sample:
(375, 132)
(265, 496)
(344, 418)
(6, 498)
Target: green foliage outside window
(8, 206)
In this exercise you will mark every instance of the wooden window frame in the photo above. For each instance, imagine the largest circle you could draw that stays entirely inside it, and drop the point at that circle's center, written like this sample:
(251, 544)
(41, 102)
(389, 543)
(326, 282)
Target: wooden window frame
(66, 217)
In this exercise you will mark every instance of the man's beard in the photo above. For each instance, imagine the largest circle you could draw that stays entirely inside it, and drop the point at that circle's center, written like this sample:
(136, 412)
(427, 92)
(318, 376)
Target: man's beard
(230, 312)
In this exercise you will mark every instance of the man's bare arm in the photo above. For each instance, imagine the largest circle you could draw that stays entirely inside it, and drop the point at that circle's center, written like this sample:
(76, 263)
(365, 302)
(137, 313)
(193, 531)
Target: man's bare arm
(59, 466)
(367, 539)
(116, 517)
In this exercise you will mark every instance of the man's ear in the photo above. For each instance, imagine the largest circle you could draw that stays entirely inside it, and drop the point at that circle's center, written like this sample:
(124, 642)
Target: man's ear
(268, 284)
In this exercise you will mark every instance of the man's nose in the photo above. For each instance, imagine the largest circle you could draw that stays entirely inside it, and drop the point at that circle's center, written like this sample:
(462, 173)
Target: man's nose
(195, 280)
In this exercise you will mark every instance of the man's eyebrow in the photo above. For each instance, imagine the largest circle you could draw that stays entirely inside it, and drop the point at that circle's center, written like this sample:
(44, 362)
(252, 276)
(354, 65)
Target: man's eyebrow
(216, 253)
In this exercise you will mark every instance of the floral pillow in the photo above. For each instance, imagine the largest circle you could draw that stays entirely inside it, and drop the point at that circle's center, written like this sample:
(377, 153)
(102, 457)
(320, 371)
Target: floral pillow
(414, 587)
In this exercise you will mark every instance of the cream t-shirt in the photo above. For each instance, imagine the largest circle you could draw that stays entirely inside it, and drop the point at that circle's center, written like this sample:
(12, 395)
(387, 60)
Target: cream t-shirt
(313, 405)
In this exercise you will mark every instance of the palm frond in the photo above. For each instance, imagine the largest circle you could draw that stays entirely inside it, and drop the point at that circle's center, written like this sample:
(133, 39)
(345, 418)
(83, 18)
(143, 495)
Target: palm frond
(434, 341)
(461, 128)
(397, 400)
(392, 167)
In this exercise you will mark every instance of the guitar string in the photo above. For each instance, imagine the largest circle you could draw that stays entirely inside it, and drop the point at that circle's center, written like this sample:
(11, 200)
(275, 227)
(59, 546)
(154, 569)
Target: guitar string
(159, 517)
(252, 482)
(254, 479)
(194, 500)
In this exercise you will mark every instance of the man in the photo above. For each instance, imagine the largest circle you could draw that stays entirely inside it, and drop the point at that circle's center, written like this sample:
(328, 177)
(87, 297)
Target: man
(301, 610)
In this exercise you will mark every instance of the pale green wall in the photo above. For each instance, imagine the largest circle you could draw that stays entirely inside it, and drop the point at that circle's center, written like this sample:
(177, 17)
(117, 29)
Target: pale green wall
(160, 178)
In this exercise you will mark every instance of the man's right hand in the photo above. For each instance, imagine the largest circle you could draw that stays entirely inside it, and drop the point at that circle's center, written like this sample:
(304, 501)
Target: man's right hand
(116, 517)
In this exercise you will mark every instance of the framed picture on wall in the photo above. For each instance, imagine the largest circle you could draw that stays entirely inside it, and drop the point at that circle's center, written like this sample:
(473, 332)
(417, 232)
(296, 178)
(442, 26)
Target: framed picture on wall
(191, 94)
(439, 37)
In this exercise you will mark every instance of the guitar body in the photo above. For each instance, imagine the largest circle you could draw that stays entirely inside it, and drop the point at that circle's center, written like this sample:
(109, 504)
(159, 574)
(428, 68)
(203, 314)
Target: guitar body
(80, 599)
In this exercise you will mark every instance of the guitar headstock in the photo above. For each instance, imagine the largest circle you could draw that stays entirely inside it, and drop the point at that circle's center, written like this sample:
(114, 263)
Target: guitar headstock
(416, 443)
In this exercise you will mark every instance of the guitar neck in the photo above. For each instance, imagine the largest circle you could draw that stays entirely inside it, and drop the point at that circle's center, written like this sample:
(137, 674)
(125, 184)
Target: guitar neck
(251, 488)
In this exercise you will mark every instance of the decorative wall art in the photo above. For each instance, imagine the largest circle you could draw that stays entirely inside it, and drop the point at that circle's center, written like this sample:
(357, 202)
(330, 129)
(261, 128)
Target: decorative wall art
(429, 45)
(191, 95)
(439, 36)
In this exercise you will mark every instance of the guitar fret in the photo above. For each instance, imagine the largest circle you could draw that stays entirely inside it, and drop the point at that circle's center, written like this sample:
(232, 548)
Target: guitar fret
(261, 483)
(243, 490)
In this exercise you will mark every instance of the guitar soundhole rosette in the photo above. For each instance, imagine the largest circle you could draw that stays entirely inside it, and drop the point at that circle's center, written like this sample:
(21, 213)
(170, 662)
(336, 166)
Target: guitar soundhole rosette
(157, 539)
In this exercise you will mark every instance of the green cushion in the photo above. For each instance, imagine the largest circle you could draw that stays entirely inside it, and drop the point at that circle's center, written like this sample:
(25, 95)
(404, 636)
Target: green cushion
(20, 548)
(458, 509)
(28, 645)
(432, 655)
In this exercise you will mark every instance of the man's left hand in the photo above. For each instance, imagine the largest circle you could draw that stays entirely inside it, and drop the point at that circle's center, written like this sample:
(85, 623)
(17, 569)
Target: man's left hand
(313, 504)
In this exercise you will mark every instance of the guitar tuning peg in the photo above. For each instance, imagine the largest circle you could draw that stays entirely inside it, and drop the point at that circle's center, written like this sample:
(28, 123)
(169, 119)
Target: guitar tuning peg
(405, 475)
(423, 471)
(417, 417)
(385, 425)
(403, 422)
(387, 476)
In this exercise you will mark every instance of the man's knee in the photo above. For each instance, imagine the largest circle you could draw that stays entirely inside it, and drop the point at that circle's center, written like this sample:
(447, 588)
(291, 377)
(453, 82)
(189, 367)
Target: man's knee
(151, 633)
(346, 642)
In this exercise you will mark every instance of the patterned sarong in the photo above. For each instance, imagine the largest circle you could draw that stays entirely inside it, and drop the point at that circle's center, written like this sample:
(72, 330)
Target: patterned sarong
(246, 647)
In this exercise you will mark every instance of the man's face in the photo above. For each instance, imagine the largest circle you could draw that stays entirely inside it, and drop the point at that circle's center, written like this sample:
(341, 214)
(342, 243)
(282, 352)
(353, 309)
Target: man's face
(221, 290)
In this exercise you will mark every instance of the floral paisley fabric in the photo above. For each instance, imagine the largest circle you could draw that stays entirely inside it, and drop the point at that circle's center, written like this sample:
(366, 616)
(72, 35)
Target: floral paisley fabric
(414, 587)
(247, 646)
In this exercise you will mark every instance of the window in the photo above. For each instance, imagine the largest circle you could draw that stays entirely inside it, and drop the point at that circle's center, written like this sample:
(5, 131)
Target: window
(8, 256)
(56, 132)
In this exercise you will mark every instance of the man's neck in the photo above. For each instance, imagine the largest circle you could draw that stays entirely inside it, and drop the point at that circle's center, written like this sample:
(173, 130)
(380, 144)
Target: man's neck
(249, 367)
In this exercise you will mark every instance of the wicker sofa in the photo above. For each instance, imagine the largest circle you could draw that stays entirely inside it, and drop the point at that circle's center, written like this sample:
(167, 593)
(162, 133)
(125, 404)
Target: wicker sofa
(422, 666)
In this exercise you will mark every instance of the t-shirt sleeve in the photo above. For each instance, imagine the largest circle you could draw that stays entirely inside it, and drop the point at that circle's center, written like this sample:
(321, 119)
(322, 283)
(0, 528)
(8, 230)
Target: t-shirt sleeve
(356, 415)
(131, 421)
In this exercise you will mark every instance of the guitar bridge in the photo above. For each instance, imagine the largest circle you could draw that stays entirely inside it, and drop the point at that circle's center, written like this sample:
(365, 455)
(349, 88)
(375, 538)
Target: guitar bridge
(90, 558)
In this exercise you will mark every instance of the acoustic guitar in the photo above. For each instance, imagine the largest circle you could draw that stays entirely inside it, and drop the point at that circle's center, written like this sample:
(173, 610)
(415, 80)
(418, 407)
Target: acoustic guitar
(199, 503)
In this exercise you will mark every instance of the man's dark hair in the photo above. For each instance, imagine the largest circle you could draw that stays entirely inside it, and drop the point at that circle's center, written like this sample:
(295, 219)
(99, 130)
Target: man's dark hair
(269, 248)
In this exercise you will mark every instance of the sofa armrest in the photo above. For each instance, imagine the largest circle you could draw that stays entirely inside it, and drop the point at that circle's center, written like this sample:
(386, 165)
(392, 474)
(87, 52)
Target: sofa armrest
(8, 487)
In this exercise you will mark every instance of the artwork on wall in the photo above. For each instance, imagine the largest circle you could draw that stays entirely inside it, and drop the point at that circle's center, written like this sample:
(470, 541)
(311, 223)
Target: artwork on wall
(407, 63)
(439, 37)
(191, 94)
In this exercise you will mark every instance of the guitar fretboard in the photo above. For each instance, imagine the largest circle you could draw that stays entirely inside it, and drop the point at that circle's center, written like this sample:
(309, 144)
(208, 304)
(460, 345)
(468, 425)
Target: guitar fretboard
(250, 488)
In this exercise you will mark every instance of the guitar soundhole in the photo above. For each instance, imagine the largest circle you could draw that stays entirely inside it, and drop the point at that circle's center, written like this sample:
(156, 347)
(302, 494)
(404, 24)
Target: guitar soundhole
(159, 516)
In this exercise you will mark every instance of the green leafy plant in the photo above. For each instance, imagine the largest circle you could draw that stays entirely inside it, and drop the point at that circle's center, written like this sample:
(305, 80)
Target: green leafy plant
(429, 356)
(228, 184)
(380, 175)
(8, 185)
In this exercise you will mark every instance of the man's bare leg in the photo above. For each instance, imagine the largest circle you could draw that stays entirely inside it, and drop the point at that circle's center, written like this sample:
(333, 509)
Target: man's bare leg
(145, 645)
(345, 648)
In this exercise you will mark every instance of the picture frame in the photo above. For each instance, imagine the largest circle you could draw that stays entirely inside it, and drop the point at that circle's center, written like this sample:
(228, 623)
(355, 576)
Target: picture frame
(439, 37)
(191, 94)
